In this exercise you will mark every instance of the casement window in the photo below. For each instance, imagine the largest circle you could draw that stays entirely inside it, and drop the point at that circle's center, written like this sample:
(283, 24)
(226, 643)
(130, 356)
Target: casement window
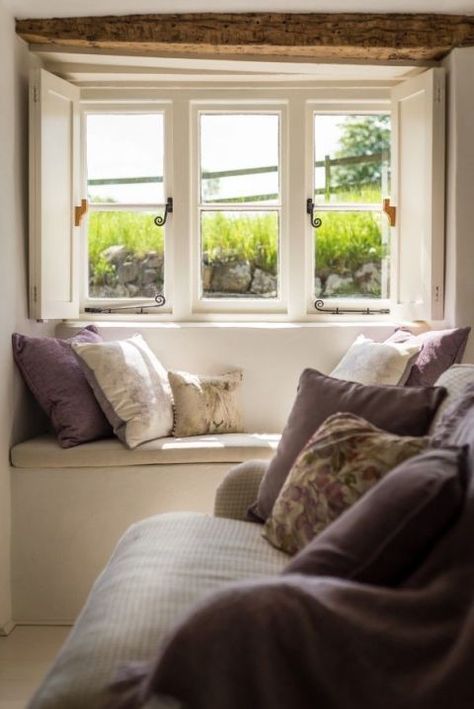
(125, 177)
(238, 215)
(350, 180)
(286, 203)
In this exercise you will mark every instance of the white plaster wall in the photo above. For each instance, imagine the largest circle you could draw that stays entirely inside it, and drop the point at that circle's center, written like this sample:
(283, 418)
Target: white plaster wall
(18, 414)
(271, 355)
(460, 192)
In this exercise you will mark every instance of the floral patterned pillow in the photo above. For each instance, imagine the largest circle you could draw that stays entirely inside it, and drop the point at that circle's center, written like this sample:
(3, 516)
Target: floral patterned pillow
(344, 458)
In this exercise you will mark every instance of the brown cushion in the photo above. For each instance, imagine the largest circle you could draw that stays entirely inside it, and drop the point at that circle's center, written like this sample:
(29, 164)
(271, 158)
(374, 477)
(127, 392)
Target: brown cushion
(406, 411)
(383, 537)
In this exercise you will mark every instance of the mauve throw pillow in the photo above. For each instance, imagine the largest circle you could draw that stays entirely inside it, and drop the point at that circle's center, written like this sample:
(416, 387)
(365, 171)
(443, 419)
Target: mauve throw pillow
(405, 411)
(56, 380)
(385, 535)
(439, 350)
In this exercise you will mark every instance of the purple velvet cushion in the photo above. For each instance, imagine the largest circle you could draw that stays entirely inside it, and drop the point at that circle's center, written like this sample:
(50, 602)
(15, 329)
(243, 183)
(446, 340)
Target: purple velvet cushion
(396, 409)
(384, 536)
(439, 350)
(56, 380)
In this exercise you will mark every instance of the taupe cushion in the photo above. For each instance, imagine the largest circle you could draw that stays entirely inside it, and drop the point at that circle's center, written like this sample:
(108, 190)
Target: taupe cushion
(44, 452)
(159, 570)
(454, 380)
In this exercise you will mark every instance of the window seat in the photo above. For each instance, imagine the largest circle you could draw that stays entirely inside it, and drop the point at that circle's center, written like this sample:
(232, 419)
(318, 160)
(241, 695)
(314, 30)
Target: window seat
(70, 506)
(44, 452)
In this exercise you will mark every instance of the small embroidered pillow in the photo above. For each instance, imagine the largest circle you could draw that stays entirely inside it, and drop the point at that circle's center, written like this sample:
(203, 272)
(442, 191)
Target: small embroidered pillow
(345, 457)
(206, 404)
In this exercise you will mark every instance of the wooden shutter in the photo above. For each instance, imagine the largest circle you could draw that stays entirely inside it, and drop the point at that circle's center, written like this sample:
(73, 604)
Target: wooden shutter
(418, 145)
(54, 190)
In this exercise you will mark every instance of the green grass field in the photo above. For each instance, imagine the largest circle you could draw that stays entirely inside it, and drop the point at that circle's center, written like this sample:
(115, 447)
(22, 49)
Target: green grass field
(344, 242)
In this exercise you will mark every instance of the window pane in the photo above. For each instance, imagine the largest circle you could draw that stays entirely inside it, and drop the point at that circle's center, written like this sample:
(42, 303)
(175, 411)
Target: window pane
(352, 158)
(126, 255)
(239, 255)
(351, 255)
(239, 158)
(125, 158)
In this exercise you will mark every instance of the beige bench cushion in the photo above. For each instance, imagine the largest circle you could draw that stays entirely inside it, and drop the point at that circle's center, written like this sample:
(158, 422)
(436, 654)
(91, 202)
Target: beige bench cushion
(159, 570)
(44, 451)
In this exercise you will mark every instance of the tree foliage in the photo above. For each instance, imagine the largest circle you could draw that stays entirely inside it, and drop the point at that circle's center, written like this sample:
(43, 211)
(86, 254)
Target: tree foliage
(362, 135)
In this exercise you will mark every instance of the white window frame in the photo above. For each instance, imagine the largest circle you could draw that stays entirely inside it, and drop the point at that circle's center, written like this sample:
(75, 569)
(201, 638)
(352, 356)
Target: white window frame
(298, 101)
(160, 107)
(295, 104)
(356, 107)
(234, 304)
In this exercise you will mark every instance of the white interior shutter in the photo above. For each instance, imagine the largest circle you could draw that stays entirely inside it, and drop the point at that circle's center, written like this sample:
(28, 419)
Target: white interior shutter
(54, 190)
(418, 145)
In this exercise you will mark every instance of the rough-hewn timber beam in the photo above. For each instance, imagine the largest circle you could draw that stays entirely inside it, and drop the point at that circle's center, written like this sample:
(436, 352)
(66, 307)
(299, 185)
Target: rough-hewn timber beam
(369, 37)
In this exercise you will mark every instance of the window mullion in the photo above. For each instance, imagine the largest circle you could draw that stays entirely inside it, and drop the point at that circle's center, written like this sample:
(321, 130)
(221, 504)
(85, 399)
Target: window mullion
(183, 160)
(295, 253)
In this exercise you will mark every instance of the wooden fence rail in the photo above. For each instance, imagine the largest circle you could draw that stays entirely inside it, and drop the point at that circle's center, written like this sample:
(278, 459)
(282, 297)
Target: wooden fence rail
(328, 163)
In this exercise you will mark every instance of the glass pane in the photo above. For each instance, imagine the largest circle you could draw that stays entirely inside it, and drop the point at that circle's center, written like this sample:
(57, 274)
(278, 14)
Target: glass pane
(352, 256)
(125, 158)
(239, 257)
(352, 158)
(126, 255)
(239, 158)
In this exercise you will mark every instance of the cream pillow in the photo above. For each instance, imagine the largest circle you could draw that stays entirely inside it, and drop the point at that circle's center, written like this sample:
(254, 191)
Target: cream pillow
(131, 386)
(206, 404)
(369, 362)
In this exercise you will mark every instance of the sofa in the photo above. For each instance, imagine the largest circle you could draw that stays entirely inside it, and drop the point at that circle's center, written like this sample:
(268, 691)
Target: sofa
(164, 565)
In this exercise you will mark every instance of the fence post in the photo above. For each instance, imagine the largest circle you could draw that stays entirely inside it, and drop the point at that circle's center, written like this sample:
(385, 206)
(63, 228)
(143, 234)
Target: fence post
(327, 177)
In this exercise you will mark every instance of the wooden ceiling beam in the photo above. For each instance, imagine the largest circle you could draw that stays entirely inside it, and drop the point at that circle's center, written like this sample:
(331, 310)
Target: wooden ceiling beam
(370, 37)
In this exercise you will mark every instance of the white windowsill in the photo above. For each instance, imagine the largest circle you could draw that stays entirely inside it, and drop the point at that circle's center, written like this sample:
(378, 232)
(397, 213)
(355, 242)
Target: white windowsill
(144, 322)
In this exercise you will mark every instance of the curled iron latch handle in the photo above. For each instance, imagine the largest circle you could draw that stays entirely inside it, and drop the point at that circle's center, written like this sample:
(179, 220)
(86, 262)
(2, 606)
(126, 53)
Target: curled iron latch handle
(161, 220)
(159, 299)
(315, 221)
(319, 305)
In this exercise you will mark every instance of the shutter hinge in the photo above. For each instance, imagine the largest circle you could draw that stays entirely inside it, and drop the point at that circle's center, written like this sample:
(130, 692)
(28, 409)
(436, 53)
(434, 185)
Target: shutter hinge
(438, 94)
(390, 211)
(437, 294)
(35, 94)
(35, 294)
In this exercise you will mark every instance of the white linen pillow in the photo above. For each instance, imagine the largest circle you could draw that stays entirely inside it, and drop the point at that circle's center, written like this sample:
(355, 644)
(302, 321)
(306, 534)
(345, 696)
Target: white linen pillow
(131, 386)
(370, 362)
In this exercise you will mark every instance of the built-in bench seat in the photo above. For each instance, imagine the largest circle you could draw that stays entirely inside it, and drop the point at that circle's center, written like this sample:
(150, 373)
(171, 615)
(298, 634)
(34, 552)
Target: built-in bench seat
(44, 452)
(70, 506)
